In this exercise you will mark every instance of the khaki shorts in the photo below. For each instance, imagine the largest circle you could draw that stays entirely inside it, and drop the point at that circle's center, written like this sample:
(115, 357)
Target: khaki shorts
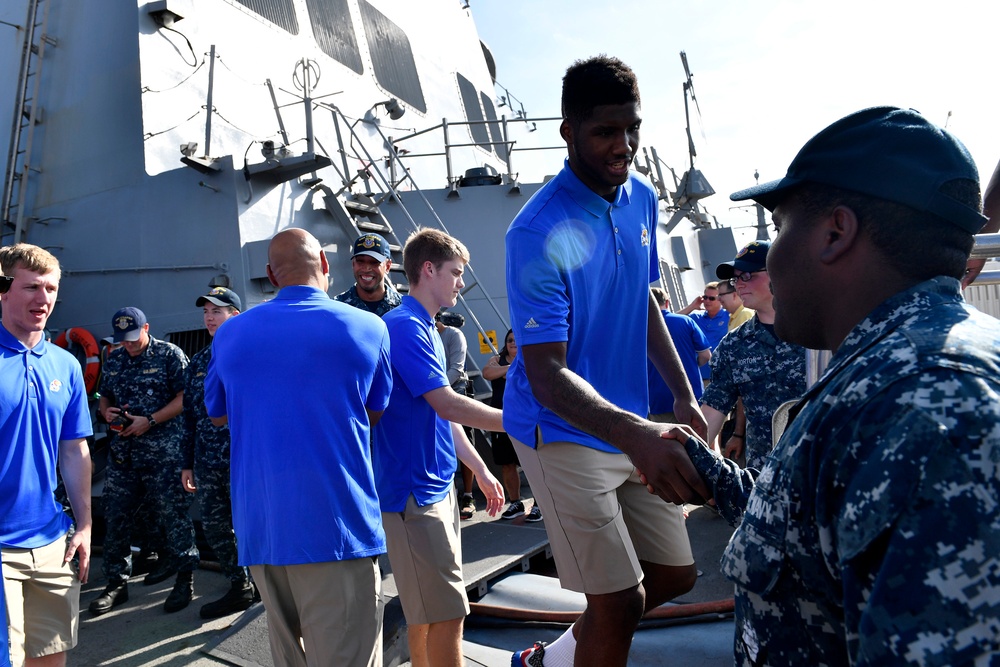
(425, 552)
(43, 601)
(600, 518)
(664, 418)
(327, 613)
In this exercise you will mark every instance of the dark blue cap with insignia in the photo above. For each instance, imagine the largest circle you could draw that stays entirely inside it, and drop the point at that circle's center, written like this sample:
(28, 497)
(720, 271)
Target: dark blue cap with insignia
(752, 258)
(221, 296)
(127, 324)
(372, 245)
(884, 152)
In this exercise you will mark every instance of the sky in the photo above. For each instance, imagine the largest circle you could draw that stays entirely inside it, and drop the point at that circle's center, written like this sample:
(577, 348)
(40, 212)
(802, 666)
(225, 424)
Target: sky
(767, 74)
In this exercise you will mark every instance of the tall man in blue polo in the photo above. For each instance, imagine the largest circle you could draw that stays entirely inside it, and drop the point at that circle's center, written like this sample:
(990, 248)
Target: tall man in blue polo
(300, 379)
(372, 290)
(581, 256)
(142, 384)
(417, 447)
(872, 535)
(44, 422)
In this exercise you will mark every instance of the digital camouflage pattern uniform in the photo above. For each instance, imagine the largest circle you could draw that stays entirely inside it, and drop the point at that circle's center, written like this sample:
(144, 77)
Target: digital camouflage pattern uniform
(148, 466)
(388, 302)
(205, 450)
(872, 535)
(752, 363)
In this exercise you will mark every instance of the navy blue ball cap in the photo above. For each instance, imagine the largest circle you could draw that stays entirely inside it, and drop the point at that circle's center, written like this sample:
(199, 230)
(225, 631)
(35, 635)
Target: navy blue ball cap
(127, 324)
(884, 152)
(372, 245)
(220, 296)
(752, 258)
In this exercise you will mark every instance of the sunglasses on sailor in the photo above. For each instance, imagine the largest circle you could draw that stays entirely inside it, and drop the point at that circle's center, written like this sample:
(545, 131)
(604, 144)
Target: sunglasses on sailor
(706, 297)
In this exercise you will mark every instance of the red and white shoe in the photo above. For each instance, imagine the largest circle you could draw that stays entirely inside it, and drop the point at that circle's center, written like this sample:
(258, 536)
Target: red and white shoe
(529, 657)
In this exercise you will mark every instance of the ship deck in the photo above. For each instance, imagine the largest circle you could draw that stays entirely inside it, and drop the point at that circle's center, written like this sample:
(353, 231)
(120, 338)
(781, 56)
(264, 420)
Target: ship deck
(506, 564)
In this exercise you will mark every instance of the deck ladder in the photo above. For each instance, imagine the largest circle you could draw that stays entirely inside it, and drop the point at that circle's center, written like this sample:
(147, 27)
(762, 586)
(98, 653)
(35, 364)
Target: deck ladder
(27, 115)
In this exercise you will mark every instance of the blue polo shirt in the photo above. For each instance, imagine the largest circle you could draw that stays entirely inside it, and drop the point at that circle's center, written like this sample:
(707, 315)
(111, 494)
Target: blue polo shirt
(414, 448)
(295, 376)
(42, 400)
(689, 340)
(578, 271)
(715, 329)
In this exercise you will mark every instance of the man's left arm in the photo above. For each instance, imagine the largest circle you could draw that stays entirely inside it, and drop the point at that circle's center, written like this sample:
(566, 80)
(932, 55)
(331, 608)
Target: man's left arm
(663, 354)
(140, 423)
(76, 469)
(911, 514)
(489, 484)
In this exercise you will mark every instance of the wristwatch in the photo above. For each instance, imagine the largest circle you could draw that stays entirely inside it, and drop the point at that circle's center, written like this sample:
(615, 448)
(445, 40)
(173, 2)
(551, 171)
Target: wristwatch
(152, 421)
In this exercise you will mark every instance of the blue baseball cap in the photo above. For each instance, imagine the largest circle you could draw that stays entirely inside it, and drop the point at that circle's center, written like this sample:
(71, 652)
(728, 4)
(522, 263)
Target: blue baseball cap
(127, 324)
(221, 296)
(752, 258)
(884, 152)
(372, 245)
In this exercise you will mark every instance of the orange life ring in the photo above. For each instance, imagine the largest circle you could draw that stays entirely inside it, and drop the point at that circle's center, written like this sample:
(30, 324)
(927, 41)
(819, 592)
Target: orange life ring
(86, 340)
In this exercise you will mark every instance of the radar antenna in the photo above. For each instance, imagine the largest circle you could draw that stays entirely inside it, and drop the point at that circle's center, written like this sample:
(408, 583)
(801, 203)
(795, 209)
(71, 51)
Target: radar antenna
(689, 92)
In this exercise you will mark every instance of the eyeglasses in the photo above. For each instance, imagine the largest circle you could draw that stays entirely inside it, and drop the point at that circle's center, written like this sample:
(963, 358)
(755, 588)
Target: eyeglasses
(706, 297)
(722, 294)
(744, 277)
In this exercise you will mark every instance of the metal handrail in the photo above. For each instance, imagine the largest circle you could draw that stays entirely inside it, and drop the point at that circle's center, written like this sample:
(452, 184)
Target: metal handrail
(391, 187)
(510, 146)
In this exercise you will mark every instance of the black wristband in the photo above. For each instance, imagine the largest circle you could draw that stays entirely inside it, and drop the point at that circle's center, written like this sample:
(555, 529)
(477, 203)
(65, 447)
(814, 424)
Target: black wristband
(736, 435)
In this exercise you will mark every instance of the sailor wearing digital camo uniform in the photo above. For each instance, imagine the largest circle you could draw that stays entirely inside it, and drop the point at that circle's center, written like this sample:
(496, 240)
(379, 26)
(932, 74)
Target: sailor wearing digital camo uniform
(144, 382)
(205, 461)
(372, 289)
(872, 534)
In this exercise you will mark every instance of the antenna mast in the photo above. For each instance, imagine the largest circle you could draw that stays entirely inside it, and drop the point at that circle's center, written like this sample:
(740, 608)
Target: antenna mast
(689, 92)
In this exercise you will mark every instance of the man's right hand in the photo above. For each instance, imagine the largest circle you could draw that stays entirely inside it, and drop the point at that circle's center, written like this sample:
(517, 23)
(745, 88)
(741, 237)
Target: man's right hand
(665, 467)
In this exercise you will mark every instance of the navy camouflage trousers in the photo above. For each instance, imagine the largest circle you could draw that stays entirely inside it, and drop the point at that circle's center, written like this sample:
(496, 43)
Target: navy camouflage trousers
(217, 518)
(124, 491)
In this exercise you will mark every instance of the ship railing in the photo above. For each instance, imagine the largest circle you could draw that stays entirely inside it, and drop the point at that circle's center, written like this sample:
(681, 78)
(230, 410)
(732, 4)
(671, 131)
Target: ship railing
(504, 149)
(987, 247)
(389, 187)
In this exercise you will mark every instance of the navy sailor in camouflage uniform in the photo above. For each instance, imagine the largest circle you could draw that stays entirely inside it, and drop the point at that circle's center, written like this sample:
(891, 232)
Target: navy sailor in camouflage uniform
(142, 385)
(205, 454)
(751, 363)
(372, 290)
(872, 534)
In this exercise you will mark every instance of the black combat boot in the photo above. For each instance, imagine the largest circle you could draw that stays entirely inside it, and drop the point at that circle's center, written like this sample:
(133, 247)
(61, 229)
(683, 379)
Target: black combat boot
(239, 598)
(144, 562)
(183, 591)
(164, 570)
(114, 594)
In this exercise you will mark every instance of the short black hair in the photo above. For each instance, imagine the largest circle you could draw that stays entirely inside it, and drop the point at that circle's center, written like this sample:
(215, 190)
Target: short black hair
(595, 81)
(917, 244)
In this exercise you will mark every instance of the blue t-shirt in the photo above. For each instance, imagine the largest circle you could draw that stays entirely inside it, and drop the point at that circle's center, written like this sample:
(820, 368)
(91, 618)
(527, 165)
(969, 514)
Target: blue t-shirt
(43, 400)
(689, 340)
(578, 272)
(295, 376)
(715, 329)
(414, 448)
